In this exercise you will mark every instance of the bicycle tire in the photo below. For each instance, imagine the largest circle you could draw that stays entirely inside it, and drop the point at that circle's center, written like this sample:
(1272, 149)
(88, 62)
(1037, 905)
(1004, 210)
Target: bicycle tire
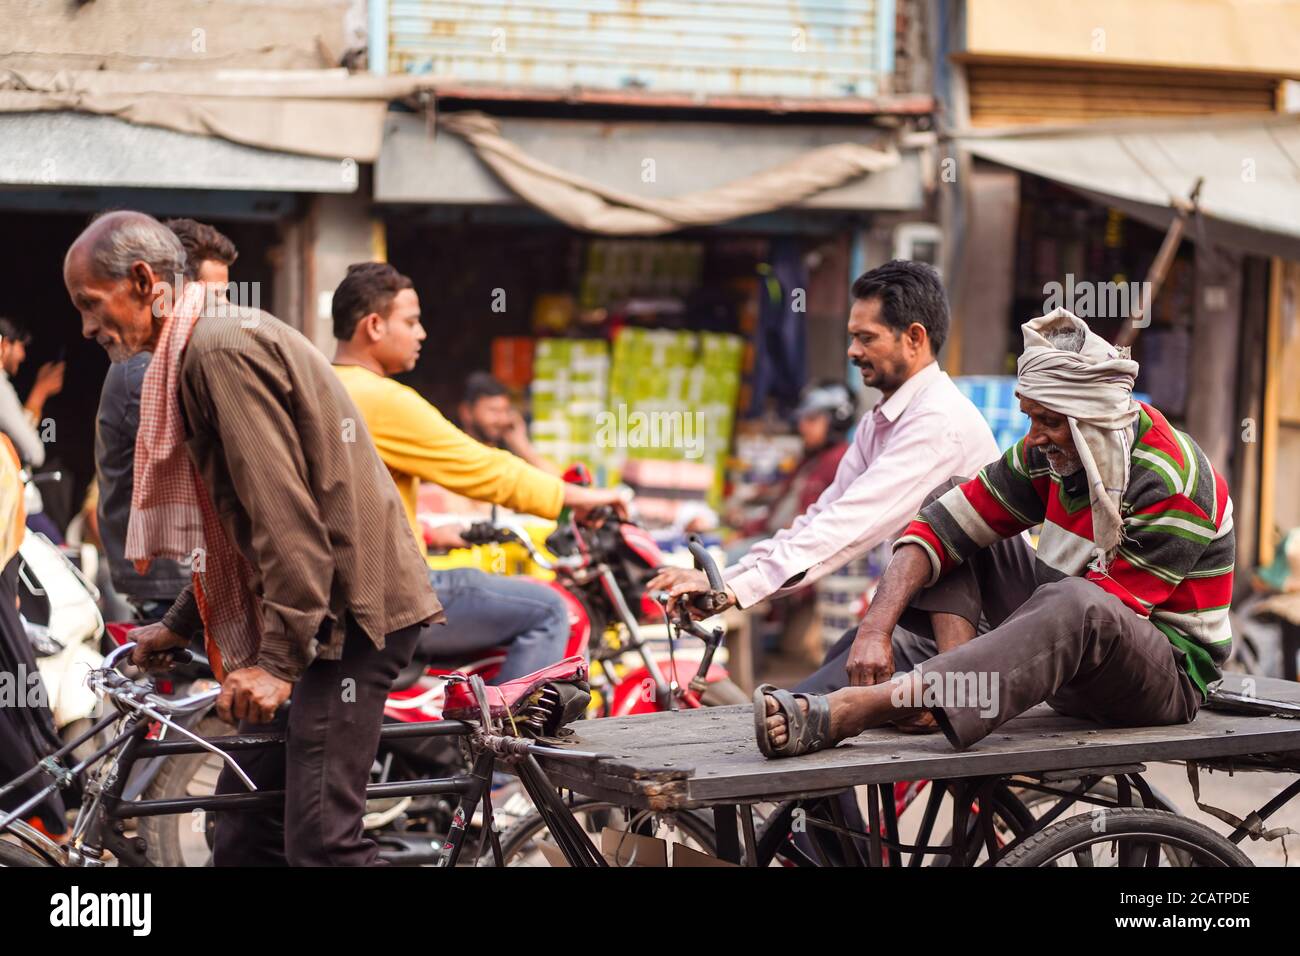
(16, 855)
(529, 826)
(1105, 790)
(1076, 833)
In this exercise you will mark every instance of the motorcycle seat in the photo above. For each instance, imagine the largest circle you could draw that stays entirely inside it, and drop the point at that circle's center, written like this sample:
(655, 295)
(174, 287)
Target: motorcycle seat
(506, 698)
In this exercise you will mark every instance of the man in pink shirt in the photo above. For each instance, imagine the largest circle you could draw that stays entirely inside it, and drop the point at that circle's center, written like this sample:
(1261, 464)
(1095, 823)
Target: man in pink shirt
(920, 433)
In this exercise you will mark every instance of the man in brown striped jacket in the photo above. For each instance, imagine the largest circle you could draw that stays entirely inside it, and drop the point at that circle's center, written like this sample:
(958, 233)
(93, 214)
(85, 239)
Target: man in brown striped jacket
(340, 589)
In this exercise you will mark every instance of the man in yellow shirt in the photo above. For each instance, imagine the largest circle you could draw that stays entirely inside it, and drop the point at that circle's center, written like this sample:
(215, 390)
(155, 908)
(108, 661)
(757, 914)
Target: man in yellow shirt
(377, 322)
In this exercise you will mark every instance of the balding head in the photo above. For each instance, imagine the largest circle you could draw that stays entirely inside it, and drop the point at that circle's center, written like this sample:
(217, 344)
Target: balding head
(119, 273)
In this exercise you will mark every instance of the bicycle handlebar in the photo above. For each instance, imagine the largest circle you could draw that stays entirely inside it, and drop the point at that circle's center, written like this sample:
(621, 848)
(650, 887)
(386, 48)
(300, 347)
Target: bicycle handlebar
(704, 561)
(715, 599)
(174, 705)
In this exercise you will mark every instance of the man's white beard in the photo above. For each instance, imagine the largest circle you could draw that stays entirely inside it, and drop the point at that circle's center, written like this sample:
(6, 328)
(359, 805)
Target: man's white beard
(1069, 464)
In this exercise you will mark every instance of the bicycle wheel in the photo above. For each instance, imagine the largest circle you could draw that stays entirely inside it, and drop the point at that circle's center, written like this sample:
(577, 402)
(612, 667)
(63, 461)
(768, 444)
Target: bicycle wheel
(520, 843)
(16, 855)
(820, 847)
(184, 839)
(1011, 820)
(1135, 837)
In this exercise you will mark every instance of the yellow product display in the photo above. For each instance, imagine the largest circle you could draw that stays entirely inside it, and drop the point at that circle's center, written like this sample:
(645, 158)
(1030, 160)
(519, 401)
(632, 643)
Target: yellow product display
(512, 559)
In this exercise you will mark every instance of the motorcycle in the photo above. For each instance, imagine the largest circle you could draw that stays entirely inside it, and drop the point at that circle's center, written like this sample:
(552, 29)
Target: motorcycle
(601, 571)
(59, 609)
(601, 567)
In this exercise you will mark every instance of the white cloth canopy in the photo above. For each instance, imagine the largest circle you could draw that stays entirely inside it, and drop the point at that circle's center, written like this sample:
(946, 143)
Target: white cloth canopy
(326, 113)
(1250, 166)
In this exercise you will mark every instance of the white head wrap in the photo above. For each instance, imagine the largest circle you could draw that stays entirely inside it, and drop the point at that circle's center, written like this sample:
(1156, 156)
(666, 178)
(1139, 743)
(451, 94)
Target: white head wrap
(1093, 389)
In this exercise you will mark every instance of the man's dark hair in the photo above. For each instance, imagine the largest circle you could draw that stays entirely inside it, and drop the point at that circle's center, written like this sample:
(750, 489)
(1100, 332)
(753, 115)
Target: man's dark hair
(11, 331)
(908, 292)
(368, 287)
(482, 385)
(202, 242)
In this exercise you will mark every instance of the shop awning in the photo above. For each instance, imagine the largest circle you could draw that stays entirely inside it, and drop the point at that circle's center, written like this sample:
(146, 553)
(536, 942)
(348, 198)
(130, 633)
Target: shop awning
(326, 113)
(76, 149)
(1250, 198)
(643, 178)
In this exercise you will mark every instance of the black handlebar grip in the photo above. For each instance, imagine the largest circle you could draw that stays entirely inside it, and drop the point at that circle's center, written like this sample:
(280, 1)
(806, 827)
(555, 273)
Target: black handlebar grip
(704, 561)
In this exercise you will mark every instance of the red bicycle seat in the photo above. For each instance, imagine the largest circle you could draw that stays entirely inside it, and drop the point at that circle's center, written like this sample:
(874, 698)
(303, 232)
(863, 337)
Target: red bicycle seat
(503, 698)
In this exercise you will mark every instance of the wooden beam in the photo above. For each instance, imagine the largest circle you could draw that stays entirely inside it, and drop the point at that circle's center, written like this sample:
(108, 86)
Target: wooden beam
(1269, 426)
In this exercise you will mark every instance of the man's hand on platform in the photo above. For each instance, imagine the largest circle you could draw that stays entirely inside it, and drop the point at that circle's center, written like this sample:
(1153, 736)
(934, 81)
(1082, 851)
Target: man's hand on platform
(871, 658)
(922, 723)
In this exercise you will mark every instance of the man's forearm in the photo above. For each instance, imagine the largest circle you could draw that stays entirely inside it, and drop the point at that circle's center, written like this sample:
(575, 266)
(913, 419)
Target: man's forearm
(521, 446)
(35, 406)
(906, 574)
(183, 616)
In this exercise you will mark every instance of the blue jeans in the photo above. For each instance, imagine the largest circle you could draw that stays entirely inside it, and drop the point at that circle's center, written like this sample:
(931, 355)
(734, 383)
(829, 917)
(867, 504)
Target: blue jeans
(488, 610)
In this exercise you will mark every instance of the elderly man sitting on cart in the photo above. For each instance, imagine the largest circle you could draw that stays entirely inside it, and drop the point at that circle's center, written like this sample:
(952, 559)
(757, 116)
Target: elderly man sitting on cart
(1121, 614)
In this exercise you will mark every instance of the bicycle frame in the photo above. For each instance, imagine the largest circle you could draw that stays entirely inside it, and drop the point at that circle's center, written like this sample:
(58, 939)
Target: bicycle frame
(100, 824)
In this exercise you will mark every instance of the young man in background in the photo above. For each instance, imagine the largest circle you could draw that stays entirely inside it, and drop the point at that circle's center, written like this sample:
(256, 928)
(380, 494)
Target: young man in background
(377, 324)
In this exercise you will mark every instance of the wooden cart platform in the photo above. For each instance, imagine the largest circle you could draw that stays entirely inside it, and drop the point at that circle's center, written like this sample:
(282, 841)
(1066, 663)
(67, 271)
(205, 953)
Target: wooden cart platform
(707, 757)
(693, 760)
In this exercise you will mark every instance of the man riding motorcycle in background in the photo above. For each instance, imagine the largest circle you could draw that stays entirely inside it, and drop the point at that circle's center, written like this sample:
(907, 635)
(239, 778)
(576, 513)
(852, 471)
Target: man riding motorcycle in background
(377, 324)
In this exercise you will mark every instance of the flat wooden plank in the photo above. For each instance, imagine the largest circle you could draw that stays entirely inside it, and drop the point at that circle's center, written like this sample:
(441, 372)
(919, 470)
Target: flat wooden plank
(706, 757)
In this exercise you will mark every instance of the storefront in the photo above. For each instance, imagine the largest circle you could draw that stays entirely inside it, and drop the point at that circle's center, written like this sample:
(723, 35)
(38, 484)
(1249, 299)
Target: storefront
(650, 344)
(271, 158)
(49, 194)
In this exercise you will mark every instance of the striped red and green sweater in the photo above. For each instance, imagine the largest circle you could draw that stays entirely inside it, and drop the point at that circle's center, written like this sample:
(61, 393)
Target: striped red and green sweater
(1173, 566)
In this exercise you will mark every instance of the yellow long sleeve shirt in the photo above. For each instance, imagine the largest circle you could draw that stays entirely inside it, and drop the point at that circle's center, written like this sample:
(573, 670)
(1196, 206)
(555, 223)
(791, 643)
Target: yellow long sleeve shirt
(417, 443)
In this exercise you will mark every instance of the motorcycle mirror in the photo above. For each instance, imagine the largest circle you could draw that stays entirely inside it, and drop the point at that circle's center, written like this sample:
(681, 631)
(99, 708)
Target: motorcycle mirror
(577, 474)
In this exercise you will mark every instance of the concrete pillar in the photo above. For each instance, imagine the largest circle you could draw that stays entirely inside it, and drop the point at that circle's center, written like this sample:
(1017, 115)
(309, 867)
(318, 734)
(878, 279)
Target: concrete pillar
(340, 230)
(828, 309)
(1216, 322)
(983, 288)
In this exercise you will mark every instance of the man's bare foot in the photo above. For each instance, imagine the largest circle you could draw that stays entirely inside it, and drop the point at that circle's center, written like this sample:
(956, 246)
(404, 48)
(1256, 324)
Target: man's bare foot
(777, 731)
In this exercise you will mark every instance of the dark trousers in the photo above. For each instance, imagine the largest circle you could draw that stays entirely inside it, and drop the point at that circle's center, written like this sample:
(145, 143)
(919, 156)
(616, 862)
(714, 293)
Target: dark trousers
(332, 734)
(1067, 642)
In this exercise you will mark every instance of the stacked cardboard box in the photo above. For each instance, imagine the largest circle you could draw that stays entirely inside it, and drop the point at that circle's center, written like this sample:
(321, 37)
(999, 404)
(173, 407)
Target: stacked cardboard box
(569, 391)
(672, 397)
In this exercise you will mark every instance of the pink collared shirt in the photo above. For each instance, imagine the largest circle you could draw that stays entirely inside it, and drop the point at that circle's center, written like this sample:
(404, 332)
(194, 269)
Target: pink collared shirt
(924, 434)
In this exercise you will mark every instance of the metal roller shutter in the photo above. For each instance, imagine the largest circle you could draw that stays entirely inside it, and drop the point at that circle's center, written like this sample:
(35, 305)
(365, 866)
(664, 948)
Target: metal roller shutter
(1012, 94)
